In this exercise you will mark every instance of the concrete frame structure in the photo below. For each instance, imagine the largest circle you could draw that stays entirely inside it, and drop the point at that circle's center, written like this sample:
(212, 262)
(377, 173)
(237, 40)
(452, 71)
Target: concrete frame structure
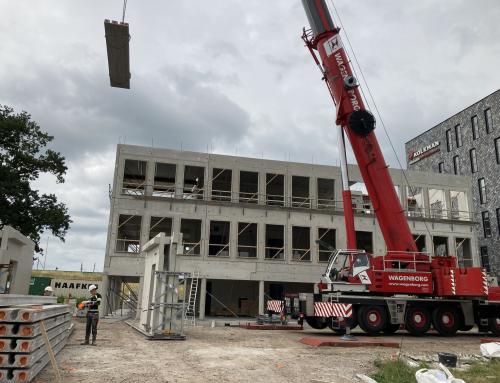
(16, 259)
(229, 272)
(468, 143)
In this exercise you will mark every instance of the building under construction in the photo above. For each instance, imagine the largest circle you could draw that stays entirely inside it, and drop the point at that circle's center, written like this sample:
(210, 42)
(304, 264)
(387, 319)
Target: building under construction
(250, 226)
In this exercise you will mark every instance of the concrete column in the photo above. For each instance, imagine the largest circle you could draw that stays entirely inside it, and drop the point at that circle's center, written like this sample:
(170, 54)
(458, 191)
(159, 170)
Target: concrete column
(139, 298)
(235, 185)
(203, 298)
(261, 240)
(427, 206)
(261, 297)
(447, 198)
(313, 191)
(262, 188)
(233, 240)
(103, 310)
(179, 179)
(150, 177)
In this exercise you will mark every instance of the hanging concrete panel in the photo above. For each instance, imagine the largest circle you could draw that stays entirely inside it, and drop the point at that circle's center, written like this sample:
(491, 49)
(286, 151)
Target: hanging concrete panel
(117, 45)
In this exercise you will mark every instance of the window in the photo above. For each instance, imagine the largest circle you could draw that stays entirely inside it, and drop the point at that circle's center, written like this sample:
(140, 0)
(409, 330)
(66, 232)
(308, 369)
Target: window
(482, 190)
(134, 177)
(488, 120)
(301, 243)
(159, 225)
(437, 203)
(249, 187)
(498, 221)
(364, 241)
(441, 167)
(449, 143)
(458, 135)
(473, 160)
(497, 149)
(221, 184)
(193, 182)
(247, 240)
(459, 206)
(326, 244)
(300, 192)
(275, 242)
(129, 234)
(486, 224)
(326, 193)
(485, 261)
(420, 242)
(456, 165)
(164, 181)
(275, 189)
(463, 252)
(440, 245)
(218, 243)
(191, 236)
(415, 201)
(475, 127)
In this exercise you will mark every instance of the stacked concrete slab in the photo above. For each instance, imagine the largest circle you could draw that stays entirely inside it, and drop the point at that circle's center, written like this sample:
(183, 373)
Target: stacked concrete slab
(23, 350)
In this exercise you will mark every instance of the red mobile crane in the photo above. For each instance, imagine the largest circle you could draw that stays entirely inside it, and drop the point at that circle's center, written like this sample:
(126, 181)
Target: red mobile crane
(403, 287)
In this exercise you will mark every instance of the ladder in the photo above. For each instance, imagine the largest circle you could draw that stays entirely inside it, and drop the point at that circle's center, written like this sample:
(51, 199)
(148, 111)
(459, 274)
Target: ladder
(190, 313)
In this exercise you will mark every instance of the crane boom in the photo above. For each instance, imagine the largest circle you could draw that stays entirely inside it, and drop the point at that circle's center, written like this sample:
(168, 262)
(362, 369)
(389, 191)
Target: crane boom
(358, 124)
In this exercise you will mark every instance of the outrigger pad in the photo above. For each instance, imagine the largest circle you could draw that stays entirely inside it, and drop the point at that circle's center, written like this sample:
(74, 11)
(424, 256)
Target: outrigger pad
(117, 45)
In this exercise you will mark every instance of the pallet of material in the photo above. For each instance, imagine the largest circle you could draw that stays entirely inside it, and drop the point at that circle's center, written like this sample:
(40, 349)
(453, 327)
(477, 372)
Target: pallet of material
(23, 349)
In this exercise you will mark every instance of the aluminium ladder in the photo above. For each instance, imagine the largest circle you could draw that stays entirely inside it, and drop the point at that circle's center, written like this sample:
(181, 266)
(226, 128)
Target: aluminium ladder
(190, 313)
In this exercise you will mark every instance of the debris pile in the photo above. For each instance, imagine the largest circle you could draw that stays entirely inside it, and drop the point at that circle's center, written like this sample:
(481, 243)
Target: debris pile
(29, 336)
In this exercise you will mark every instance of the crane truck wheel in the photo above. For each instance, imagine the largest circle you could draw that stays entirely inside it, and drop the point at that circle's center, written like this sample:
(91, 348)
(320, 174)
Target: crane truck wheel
(372, 319)
(418, 320)
(495, 326)
(447, 320)
(316, 322)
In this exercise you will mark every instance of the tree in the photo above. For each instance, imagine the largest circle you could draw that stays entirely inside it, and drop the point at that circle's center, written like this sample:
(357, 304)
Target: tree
(22, 158)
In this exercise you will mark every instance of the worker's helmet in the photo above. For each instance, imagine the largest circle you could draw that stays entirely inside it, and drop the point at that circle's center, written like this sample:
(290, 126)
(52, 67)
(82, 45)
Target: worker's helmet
(49, 289)
(92, 287)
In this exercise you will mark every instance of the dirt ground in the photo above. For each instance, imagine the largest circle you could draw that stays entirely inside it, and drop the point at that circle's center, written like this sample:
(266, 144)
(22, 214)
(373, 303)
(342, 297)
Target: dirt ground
(230, 354)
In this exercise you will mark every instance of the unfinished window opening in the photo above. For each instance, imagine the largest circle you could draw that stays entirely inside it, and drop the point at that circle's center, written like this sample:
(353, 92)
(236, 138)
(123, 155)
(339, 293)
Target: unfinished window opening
(440, 245)
(364, 241)
(191, 236)
(221, 184)
(275, 242)
(459, 205)
(437, 203)
(218, 244)
(361, 203)
(301, 243)
(326, 244)
(134, 177)
(275, 189)
(415, 198)
(464, 252)
(128, 239)
(164, 182)
(300, 192)
(249, 187)
(420, 242)
(326, 193)
(485, 259)
(247, 240)
(159, 225)
(194, 182)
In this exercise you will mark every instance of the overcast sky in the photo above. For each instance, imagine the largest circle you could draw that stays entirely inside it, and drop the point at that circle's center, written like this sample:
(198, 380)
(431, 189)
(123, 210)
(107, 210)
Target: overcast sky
(231, 76)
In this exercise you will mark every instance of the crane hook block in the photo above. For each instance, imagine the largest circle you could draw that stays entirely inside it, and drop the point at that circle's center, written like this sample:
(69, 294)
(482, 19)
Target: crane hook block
(117, 45)
(362, 122)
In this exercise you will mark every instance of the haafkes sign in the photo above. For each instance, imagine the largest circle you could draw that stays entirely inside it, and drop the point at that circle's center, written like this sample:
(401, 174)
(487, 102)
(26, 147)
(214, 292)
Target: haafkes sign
(426, 151)
(77, 288)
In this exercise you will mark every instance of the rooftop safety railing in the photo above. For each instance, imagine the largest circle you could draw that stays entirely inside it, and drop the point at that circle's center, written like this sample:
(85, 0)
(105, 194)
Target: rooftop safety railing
(280, 200)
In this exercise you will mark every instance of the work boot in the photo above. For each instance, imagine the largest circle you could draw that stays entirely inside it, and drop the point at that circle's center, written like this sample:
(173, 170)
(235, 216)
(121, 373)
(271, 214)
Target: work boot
(93, 342)
(86, 342)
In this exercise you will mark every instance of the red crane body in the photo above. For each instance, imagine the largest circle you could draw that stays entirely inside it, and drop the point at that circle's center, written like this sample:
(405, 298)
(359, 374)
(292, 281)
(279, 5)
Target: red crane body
(351, 111)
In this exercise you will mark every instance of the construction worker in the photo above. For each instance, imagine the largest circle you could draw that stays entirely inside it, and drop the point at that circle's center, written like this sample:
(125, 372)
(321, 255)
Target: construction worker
(48, 291)
(92, 314)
